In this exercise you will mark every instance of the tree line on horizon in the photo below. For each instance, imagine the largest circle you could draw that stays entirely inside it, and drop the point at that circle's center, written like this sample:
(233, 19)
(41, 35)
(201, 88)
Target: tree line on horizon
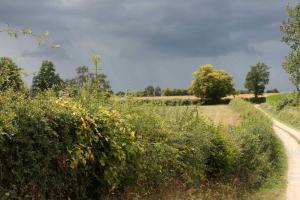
(208, 82)
(47, 78)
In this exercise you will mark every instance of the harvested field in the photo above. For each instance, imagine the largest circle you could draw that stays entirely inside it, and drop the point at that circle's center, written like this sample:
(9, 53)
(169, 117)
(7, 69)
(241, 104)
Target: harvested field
(221, 114)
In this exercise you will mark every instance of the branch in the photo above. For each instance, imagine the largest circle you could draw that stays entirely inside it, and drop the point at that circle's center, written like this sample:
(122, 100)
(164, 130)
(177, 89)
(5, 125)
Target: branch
(15, 33)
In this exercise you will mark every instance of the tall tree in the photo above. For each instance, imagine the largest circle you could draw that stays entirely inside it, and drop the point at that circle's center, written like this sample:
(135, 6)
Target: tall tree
(291, 31)
(211, 83)
(92, 81)
(100, 82)
(149, 91)
(82, 75)
(157, 91)
(257, 78)
(46, 78)
(10, 75)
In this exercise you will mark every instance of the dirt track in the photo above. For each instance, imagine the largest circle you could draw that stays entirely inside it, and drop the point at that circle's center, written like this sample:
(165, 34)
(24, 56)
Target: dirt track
(291, 140)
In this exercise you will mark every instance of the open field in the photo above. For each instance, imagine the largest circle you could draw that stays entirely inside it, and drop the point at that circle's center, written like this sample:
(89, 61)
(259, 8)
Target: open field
(221, 114)
(218, 114)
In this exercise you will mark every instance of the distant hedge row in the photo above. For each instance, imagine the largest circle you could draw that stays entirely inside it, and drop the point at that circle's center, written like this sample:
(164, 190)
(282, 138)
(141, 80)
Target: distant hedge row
(180, 102)
(188, 102)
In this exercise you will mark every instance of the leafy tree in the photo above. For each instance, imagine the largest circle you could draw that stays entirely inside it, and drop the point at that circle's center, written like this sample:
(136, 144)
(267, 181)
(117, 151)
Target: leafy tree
(82, 75)
(210, 83)
(291, 31)
(157, 91)
(100, 82)
(291, 27)
(149, 91)
(121, 93)
(91, 81)
(46, 78)
(10, 75)
(257, 78)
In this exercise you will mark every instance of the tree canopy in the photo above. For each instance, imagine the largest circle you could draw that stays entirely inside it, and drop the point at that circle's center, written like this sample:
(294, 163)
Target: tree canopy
(10, 75)
(92, 81)
(211, 83)
(257, 78)
(291, 31)
(46, 78)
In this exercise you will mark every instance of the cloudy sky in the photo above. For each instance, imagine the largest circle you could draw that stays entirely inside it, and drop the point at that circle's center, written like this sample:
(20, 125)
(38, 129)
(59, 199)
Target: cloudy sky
(150, 42)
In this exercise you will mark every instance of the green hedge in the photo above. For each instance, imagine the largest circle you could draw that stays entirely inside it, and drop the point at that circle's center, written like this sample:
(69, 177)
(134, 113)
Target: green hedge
(260, 154)
(57, 149)
(62, 148)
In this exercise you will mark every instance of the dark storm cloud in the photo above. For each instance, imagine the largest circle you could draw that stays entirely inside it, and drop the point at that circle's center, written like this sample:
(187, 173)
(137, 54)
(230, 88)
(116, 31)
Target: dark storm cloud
(154, 42)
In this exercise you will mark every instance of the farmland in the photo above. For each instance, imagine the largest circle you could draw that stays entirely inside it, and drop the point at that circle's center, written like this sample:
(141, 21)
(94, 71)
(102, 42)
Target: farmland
(219, 114)
(178, 100)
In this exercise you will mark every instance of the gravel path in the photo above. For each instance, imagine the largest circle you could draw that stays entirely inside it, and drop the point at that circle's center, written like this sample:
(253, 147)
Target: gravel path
(291, 140)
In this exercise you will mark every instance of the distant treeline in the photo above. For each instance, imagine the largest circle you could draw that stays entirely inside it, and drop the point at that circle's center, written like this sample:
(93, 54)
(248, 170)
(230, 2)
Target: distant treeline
(275, 90)
(151, 91)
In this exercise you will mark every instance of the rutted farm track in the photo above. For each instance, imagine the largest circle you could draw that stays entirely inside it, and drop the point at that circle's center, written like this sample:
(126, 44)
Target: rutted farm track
(291, 140)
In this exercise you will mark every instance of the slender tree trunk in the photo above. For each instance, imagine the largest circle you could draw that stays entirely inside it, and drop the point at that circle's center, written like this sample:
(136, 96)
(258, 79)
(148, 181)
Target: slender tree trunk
(298, 95)
(255, 95)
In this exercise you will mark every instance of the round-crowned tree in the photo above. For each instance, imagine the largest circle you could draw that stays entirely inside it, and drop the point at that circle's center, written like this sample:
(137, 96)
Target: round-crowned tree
(211, 83)
(257, 79)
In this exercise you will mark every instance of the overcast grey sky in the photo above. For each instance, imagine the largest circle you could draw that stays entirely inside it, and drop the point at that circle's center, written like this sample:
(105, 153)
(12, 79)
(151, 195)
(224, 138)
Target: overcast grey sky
(150, 42)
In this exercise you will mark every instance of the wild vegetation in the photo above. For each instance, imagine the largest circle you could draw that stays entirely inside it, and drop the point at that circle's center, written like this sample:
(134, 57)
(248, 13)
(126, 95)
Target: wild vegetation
(285, 108)
(70, 139)
(81, 147)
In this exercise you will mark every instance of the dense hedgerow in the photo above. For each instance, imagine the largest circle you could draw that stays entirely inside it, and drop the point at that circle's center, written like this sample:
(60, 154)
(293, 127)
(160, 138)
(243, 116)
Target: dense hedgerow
(86, 148)
(54, 148)
(259, 153)
(176, 146)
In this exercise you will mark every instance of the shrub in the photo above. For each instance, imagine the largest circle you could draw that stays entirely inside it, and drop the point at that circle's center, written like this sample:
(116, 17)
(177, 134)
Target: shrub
(275, 90)
(285, 102)
(290, 115)
(57, 149)
(175, 92)
(86, 148)
(259, 150)
(176, 146)
(274, 99)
